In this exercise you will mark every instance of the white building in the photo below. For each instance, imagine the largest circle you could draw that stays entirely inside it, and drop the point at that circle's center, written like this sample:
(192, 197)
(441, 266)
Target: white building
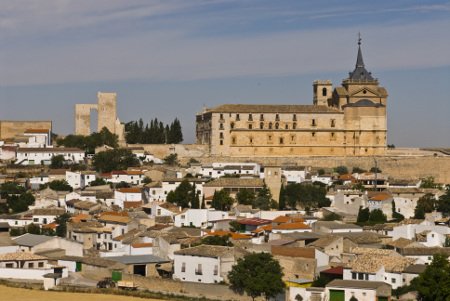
(38, 156)
(294, 174)
(203, 264)
(128, 197)
(219, 169)
(199, 218)
(133, 177)
(38, 138)
(79, 179)
(159, 191)
(361, 290)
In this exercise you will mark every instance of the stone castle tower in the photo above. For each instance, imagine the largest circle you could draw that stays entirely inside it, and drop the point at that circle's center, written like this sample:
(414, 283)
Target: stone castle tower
(106, 108)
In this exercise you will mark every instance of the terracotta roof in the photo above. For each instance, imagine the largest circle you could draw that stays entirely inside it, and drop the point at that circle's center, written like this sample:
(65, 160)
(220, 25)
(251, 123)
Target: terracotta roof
(334, 271)
(21, 256)
(171, 207)
(382, 196)
(372, 262)
(130, 190)
(114, 219)
(258, 108)
(293, 251)
(142, 245)
(129, 204)
(266, 228)
(36, 131)
(425, 251)
(253, 221)
(291, 226)
(80, 217)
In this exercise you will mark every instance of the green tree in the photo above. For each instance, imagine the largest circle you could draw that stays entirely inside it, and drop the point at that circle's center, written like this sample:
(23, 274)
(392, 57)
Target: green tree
(428, 182)
(363, 215)
(342, 170)
(33, 229)
(282, 199)
(245, 197)
(222, 200)
(57, 161)
(61, 221)
(321, 281)
(306, 195)
(443, 204)
(263, 199)
(434, 283)
(357, 169)
(171, 159)
(236, 226)
(217, 241)
(59, 185)
(194, 198)
(257, 274)
(203, 206)
(377, 217)
(98, 182)
(20, 203)
(115, 159)
(147, 180)
(89, 143)
(425, 204)
(375, 170)
(332, 217)
(181, 196)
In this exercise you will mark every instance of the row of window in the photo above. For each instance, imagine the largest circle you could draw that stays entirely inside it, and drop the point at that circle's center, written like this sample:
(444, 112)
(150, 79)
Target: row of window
(199, 269)
(276, 125)
(261, 117)
(281, 140)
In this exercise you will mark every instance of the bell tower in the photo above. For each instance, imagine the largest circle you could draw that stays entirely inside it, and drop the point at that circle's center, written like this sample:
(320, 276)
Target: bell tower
(322, 92)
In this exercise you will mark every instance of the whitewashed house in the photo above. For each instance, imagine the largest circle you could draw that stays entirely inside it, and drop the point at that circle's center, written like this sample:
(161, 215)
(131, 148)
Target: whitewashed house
(219, 169)
(361, 290)
(79, 179)
(203, 264)
(294, 174)
(128, 197)
(37, 181)
(199, 218)
(133, 177)
(38, 138)
(38, 156)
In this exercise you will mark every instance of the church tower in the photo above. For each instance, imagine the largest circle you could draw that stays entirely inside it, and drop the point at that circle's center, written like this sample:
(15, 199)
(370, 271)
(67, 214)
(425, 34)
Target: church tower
(363, 102)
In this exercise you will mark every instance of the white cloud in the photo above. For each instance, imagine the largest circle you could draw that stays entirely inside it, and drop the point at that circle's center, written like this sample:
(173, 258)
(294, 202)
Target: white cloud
(177, 53)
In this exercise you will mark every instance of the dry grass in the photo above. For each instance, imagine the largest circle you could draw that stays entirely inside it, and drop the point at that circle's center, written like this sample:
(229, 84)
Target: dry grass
(20, 294)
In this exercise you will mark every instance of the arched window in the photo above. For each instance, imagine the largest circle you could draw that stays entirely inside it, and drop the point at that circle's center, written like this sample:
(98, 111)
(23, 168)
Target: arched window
(277, 125)
(324, 91)
(232, 125)
(270, 125)
(294, 125)
(261, 125)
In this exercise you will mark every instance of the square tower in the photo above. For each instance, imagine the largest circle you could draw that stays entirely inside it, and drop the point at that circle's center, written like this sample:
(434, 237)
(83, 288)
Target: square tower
(322, 92)
(107, 111)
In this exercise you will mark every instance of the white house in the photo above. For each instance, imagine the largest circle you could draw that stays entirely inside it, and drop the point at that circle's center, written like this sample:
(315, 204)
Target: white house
(294, 174)
(199, 218)
(335, 227)
(219, 169)
(79, 179)
(38, 156)
(38, 137)
(361, 290)
(7, 152)
(44, 216)
(128, 197)
(203, 264)
(37, 181)
(133, 177)
(381, 201)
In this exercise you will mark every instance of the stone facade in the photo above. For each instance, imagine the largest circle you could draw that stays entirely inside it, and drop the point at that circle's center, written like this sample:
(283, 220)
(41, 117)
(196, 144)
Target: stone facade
(10, 129)
(349, 120)
(106, 108)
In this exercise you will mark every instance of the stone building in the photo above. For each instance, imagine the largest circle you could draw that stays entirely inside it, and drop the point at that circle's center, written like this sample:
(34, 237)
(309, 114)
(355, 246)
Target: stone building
(106, 108)
(349, 120)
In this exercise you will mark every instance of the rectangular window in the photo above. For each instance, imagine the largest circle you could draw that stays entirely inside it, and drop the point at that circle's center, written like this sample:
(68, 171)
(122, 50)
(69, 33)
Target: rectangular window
(221, 142)
(393, 280)
(313, 122)
(281, 140)
(250, 117)
(198, 270)
(250, 126)
(40, 265)
(183, 267)
(233, 140)
(261, 117)
(237, 117)
(360, 276)
(9, 265)
(216, 270)
(31, 265)
(353, 276)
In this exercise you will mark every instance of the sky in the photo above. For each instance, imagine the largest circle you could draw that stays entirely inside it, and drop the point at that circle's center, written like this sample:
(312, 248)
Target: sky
(170, 58)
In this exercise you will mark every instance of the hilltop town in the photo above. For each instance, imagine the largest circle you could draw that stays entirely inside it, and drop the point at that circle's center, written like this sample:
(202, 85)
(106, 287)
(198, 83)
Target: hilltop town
(283, 202)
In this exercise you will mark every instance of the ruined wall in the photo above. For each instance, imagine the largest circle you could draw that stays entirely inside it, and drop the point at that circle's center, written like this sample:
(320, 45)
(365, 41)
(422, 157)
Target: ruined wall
(83, 118)
(11, 128)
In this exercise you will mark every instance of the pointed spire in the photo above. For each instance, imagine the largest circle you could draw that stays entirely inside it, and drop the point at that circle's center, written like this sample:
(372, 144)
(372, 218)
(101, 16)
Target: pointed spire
(359, 59)
(360, 73)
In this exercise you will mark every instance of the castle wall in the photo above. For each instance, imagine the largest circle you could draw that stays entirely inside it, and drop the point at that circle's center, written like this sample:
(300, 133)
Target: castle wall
(83, 118)
(107, 111)
(11, 128)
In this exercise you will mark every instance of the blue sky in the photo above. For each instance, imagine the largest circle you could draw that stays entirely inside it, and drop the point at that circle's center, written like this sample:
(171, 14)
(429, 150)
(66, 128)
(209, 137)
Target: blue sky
(168, 59)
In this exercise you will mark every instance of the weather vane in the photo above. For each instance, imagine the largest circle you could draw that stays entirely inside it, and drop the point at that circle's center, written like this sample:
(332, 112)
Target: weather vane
(359, 38)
